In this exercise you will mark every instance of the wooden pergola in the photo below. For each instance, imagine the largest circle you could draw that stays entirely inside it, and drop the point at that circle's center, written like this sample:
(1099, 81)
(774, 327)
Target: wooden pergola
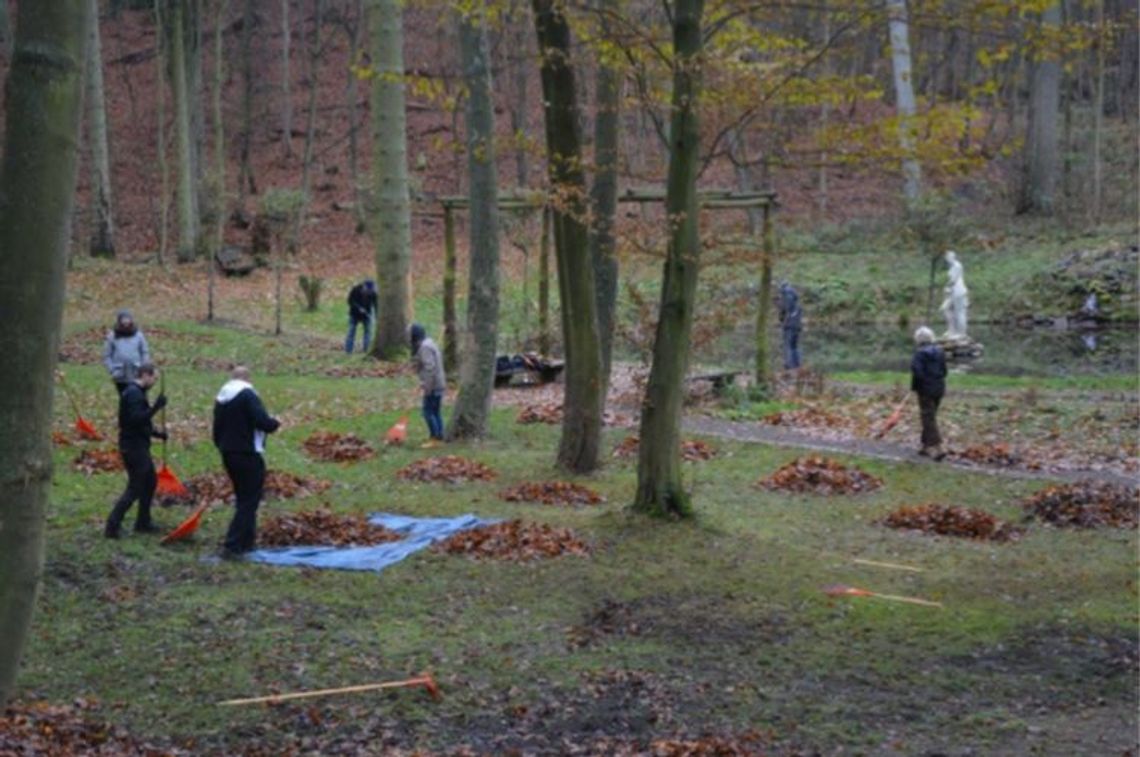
(711, 199)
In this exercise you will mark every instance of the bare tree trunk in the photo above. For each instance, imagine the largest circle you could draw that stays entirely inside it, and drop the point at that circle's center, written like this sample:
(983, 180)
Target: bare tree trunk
(604, 197)
(1098, 113)
(450, 320)
(163, 165)
(188, 222)
(824, 119)
(245, 168)
(481, 335)
(520, 66)
(1041, 158)
(391, 229)
(353, 97)
(310, 125)
(102, 241)
(286, 81)
(582, 416)
(544, 285)
(43, 107)
(764, 304)
(5, 39)
(219, 158)
(904, 96)
(659, 487)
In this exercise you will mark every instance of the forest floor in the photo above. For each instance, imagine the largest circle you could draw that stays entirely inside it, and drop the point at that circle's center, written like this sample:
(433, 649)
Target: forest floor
(723, 635)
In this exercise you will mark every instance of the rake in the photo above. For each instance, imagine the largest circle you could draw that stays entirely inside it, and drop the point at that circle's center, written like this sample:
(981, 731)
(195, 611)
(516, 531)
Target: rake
(168, 483)
(83, 427)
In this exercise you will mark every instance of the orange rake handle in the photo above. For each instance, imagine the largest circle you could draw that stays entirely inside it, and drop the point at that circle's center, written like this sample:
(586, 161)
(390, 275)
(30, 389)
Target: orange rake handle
(424, 680)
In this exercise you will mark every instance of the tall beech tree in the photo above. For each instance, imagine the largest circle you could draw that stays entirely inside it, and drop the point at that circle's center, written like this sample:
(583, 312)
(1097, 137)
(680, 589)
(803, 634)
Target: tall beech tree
(582, 419)
(1039, 182)
(101, 243)
(659, 488)
(391, 210)
(37, 185)
(603, 194)
(480, 336)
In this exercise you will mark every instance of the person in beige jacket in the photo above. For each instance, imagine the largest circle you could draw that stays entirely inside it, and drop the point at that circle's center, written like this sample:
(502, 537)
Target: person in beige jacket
(429, 367)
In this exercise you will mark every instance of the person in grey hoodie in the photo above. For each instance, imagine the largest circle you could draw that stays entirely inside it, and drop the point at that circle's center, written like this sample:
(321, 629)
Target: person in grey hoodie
(429, 367)
(124, 350)
(240, 427)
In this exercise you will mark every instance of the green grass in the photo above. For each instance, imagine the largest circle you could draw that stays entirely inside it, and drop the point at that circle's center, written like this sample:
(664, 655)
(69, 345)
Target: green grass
(984, 381)
(720, 624)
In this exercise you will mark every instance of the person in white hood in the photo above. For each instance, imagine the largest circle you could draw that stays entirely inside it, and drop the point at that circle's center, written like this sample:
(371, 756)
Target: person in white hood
(241, 424)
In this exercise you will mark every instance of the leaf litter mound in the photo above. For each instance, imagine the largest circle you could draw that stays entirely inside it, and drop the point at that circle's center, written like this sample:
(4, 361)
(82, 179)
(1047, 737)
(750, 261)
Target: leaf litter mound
(548, 412)
(329, 446)
(946, 520)
(67, 731)
(692, 450)
(322, 528)
(451, 469)
(216, 487)
(552, 493)
(819, 475)
(92, 461)
(991, 453)
(514, 541)
(1085, 504)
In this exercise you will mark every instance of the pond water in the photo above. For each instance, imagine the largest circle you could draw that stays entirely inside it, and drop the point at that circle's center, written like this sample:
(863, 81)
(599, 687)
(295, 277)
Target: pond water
(1009, 350)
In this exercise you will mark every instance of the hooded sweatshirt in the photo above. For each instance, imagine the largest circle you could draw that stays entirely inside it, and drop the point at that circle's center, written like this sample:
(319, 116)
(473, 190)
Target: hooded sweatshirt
(428, 361)
(791, 317)
(124, 350)
(240, 420)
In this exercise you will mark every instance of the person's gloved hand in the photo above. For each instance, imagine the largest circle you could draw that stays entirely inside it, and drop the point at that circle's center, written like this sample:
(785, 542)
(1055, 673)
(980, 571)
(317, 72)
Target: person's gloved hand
(161, 435)
(159, 402)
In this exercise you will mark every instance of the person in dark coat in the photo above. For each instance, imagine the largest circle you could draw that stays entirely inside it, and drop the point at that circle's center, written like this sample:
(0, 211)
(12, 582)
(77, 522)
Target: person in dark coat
(791, 322)
(928, 381)
(135, 432)
(361, 311)
(240, 428)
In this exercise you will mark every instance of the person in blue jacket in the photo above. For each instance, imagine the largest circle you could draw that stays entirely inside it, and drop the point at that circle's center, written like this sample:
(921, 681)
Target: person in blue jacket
(928, 381)
(240, 428)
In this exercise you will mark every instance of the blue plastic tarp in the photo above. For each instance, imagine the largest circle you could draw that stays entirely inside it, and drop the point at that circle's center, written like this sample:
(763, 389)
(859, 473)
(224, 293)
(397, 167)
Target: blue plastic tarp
(418, 534)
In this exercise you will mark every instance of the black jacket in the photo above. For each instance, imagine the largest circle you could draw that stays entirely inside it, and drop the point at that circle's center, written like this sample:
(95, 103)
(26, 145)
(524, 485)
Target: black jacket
(791, 317)
(135, 414)
(928, 371)
(237, 416)
(361, 303)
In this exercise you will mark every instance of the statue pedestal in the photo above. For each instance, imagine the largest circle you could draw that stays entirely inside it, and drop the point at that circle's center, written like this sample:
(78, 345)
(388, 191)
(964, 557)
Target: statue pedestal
(959, 347)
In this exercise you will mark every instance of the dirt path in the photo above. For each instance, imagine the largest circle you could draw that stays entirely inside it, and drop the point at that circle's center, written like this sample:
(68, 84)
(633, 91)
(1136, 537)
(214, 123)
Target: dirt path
(784, 437)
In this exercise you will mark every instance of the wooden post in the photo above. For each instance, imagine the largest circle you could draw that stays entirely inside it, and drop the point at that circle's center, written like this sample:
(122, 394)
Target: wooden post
(544, 285)
(450, 331)
(764, 301)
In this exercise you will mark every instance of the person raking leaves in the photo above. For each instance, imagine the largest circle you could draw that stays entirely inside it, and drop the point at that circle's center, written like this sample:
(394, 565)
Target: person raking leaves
(240, 428)
(135, 432)
(361, 311)
(429, 367)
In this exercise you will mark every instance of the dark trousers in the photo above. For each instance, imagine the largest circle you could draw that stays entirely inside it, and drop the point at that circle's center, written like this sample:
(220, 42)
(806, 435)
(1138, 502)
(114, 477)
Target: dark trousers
(791, 348)
(247, 473)
(433, 402)
(141, 480)
(928, 412)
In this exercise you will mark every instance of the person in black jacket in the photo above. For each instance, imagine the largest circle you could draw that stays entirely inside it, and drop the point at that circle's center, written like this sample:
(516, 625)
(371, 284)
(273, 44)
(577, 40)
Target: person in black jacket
(135, 432)
(361, 310)
(240, 427)
(928, 381)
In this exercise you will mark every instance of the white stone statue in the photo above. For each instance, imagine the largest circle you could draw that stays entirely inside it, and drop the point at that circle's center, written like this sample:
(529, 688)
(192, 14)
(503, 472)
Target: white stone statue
(957, 298)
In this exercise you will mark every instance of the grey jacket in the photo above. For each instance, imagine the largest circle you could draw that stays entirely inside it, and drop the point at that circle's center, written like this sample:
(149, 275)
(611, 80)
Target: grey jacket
(124, 354)
(429, 367)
